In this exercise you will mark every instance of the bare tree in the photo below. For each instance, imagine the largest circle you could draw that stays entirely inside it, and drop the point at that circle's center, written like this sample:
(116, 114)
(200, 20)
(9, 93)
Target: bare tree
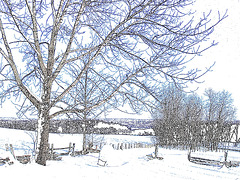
(219, 111)
(133, 45)
(169, 125)
(89, 90)
(193, 118)
(178, 119)
(184, 120)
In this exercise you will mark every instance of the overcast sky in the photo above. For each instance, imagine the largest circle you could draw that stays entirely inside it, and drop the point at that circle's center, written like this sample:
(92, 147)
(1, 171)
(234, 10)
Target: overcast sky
(226, 72)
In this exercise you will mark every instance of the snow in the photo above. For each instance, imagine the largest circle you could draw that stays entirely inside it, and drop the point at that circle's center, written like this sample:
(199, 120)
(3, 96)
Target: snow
(106, 125)
(59, 129)
(110, 155)
(142, 131)
(39, 130)
(122, 164)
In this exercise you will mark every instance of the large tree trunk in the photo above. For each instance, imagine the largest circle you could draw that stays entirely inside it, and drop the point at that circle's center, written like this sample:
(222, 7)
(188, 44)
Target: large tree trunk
(43, 126)
(156, 150)
(84, 133)
(43, 136)
(84, 141)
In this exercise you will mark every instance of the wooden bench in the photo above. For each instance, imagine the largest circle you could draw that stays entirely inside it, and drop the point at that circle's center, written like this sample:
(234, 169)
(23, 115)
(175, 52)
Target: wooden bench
(205, 161)
(210, 162)
(101, 162)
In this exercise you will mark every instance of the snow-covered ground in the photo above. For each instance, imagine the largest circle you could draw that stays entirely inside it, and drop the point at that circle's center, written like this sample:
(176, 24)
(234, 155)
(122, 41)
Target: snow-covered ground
(107, 125)
(123, 164)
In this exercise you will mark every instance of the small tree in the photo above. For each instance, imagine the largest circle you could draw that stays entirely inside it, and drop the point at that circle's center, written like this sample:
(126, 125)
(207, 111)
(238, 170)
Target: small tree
(193, 117)
(168, 125)
(219, 110)
(88, 91)
(178, 120)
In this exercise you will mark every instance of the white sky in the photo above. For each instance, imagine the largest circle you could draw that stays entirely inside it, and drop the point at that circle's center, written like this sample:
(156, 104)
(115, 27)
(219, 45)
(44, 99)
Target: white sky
(226, 72)
(226, 54)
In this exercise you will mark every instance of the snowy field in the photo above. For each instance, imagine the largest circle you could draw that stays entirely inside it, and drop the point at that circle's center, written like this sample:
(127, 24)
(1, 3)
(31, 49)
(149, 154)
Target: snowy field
(123, 164)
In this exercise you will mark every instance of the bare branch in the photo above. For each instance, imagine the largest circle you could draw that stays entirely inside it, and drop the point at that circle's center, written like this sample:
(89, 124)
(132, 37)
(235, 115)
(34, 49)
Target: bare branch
(10, 60)
(35, 36)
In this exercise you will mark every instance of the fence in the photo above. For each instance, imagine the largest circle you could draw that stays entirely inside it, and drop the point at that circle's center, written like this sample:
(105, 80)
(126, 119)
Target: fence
(70, 150)
(55, 153)
(121, 146)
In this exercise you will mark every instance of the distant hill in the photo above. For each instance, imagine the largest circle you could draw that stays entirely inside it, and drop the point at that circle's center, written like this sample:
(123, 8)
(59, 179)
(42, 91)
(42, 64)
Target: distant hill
(131, 123)
(75, 125)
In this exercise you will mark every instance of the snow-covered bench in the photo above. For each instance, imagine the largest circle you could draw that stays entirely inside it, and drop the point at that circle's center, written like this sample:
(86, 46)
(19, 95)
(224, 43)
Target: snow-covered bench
(101, 162)
(211, 162)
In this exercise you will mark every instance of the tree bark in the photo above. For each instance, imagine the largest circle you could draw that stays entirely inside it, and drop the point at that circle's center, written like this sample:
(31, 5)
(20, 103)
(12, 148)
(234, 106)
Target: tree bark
(43, 125)
(156, 151)
(84, 148)
(43, 135)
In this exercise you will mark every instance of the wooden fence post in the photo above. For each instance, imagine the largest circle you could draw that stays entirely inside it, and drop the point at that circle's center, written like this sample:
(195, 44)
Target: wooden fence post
(51, 151)
(70, 147)
(7, 147)
(73, 149)
(121, 146)
(225, 156)
(12, 151)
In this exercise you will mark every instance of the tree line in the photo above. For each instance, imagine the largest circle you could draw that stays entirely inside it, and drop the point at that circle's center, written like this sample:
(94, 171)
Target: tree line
(67, 126)
(189, 120)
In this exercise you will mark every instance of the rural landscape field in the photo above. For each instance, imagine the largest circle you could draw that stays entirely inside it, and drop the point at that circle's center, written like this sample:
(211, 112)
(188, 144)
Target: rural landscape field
(119, 89)
(123, 164)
